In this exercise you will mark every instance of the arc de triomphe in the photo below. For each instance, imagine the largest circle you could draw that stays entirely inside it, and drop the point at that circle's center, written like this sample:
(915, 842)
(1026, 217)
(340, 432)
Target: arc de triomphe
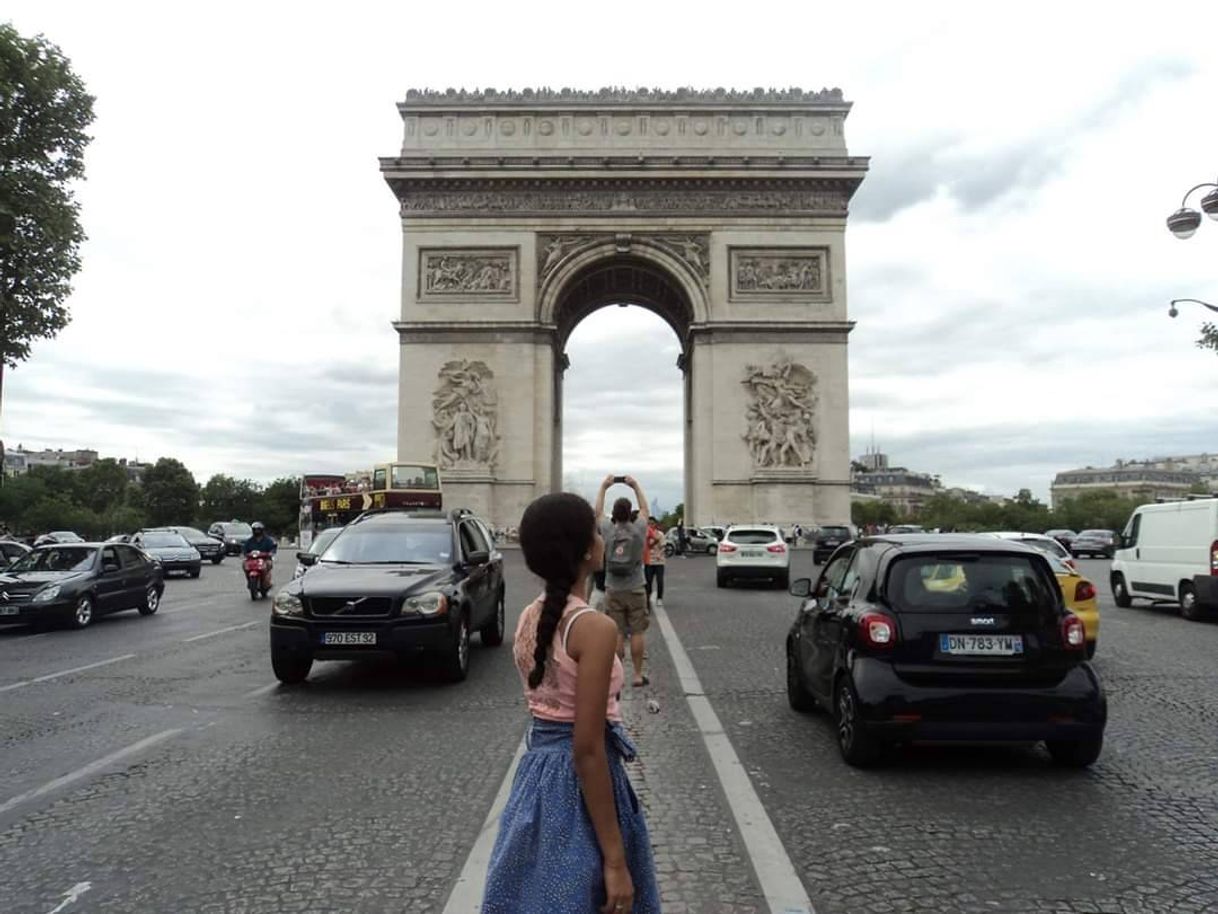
(723, 212)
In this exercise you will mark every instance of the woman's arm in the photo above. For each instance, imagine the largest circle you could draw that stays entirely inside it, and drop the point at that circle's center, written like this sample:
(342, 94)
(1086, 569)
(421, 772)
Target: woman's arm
(599, 510)
(592, 644)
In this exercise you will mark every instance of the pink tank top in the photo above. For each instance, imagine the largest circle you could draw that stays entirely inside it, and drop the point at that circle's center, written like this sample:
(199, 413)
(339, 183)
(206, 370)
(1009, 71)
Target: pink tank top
(554, 698)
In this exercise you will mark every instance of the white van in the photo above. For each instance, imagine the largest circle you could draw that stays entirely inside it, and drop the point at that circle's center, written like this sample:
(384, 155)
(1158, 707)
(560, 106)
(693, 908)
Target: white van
(1169, 552)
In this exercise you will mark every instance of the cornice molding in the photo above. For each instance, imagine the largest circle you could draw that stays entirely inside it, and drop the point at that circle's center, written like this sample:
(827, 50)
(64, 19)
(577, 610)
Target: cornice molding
(614, 95)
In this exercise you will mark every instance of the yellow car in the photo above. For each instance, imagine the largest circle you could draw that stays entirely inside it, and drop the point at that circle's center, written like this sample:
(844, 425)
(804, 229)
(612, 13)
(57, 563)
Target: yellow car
(1081, 599)
(946, 578)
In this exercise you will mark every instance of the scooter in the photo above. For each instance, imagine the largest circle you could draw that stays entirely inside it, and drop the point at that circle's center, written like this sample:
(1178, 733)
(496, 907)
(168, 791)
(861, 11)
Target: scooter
(257, 570)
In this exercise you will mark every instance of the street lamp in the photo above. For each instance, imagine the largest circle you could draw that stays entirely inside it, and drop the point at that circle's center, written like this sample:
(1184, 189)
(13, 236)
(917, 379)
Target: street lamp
(1184, 221)
(1172, 310)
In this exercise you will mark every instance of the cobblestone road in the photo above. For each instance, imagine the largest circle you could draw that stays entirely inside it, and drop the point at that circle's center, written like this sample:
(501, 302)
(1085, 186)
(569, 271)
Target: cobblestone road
(164, 772)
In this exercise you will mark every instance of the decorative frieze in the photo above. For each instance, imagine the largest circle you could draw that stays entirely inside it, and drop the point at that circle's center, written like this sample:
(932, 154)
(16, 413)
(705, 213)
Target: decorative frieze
(780, 415)
(465, 414)
(693, 250)
(768, 274)
(621, 94)
(483, 273)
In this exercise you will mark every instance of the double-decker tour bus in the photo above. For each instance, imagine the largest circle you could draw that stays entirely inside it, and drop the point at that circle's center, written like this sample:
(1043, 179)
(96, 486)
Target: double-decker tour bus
(334, 500)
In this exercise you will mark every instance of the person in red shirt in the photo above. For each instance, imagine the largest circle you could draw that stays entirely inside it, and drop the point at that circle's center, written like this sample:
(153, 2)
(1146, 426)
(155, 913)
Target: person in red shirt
(653, 562)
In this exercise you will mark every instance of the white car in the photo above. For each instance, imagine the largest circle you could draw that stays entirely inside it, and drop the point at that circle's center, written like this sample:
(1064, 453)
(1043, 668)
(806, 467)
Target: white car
(1042, 542)
(753, 551)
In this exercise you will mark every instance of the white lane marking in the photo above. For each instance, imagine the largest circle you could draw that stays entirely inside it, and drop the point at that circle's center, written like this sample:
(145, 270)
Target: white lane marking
(261, 690)
(221, 631)
(780, 884)
(71, 895)
(77, 669)
(89, 769)
(466, 897)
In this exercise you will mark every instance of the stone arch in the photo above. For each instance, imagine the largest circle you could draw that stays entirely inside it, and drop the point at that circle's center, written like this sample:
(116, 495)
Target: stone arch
(558, 291)
(724, 212)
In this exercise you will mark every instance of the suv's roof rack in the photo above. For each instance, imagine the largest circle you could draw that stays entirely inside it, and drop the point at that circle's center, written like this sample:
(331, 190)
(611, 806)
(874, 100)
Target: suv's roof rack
(412, 512)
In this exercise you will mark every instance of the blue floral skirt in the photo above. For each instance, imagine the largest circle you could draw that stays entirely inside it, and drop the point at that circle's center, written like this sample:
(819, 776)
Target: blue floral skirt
(546, 859)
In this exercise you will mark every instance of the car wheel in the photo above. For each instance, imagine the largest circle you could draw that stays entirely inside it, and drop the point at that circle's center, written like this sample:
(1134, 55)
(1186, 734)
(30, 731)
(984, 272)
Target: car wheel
(712, 549)
(82, 613)
(492, 633)
(456, 661)
(784, 580)
(290, 669)
(1075, 753)
(1120, 593)
(195, 572)
(152, 601)
(215, 559)
(798, 697)
(1090, 649)
(720, 579)
(669, 550)
(858, 747)
(1189, 608)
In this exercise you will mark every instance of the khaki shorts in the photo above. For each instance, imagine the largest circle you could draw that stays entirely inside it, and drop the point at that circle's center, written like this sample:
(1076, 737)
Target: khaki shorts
(628, 608)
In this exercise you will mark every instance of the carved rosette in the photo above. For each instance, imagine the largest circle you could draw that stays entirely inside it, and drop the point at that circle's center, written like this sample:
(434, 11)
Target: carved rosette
(449, 273)
(784, 273)
(780, 416)
(465, 414)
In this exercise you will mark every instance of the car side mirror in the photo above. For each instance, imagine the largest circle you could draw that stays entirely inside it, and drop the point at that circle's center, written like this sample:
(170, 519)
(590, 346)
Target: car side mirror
(479, 557)
(306, 558)
(108, 567)
(801, 587)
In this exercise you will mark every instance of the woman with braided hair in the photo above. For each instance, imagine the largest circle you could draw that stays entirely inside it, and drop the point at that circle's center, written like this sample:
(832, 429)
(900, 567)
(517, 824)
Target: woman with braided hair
(572, 837)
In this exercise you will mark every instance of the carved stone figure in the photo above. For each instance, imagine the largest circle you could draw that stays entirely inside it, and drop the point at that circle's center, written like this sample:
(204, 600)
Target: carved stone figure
(693, 249)
(456, 273)
(781, 414)
(554, 249)
(465, 413)
(762, 273)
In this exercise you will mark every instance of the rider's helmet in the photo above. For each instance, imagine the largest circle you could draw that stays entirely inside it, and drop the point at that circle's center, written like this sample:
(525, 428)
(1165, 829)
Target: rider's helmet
(258, 526)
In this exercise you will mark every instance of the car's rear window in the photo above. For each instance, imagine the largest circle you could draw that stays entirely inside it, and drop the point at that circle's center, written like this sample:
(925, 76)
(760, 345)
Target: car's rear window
(748, 537)
(1100, 534)
(835, 531)
(972, 582)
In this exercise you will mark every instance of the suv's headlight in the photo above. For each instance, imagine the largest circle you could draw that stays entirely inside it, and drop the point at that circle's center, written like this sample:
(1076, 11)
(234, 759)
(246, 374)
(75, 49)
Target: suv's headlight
(47, 594)
(287, 603)
(426, 604)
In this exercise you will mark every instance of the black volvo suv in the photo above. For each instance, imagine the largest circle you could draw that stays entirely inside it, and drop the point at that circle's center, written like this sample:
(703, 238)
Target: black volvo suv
(392, 583)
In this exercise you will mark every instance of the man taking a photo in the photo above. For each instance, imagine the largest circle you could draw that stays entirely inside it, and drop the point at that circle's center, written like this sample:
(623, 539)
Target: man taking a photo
(625, 590)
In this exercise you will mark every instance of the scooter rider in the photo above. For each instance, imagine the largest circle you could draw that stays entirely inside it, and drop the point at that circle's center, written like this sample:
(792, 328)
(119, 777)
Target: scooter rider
(261, 542)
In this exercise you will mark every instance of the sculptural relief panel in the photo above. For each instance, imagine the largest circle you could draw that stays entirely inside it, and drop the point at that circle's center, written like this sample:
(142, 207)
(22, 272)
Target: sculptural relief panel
(692, 249)
(779, 274)
(465, 415)
(780, 415)
(464, 273)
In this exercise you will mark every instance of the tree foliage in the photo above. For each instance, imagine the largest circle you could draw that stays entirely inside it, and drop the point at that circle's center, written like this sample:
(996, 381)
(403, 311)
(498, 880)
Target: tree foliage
(44, 111)
(171, 494)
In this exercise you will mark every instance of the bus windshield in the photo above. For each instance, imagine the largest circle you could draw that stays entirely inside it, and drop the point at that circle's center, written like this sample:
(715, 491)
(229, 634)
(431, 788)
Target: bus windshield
(410, 476)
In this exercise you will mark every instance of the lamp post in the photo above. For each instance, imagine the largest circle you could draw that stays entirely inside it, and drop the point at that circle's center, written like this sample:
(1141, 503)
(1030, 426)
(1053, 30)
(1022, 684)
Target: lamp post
(1172, 310)
(1184, 221)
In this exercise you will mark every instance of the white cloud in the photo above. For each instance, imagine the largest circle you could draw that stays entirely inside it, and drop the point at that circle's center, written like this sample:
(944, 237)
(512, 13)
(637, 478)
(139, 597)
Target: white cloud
(1009, 268)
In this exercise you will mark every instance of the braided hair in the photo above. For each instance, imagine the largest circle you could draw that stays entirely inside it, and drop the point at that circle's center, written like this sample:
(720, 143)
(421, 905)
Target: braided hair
(555, 533)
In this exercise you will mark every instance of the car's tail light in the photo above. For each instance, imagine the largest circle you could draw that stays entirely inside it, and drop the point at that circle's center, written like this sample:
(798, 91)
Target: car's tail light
(1084, 590)
(1074, 636)
(878, 631)
(1214, 557)
(726, 547)
(777, 548)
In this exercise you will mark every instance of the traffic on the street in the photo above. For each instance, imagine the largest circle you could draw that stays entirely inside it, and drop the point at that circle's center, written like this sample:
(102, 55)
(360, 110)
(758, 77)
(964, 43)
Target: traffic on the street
(153, 761)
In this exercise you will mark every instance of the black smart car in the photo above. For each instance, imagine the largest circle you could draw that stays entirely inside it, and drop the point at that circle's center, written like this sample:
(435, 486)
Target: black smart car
(75, 583)
(392, 583)
(944, 637)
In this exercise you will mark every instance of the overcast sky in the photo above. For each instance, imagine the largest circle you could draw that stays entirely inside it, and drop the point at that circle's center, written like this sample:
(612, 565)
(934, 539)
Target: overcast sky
(1009, 268)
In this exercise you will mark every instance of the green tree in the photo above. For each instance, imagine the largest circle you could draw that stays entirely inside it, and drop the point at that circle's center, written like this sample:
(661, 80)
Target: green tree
(279, 506)
(1209, 337)
(102, 485)
(171, 495)
(44, 111)
(226, 498)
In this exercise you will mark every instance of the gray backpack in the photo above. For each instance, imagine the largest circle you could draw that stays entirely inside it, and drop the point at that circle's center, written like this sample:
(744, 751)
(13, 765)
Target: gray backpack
(623, 550)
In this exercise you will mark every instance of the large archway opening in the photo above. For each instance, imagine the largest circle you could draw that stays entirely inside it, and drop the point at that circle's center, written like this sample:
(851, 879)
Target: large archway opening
(622, 382)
